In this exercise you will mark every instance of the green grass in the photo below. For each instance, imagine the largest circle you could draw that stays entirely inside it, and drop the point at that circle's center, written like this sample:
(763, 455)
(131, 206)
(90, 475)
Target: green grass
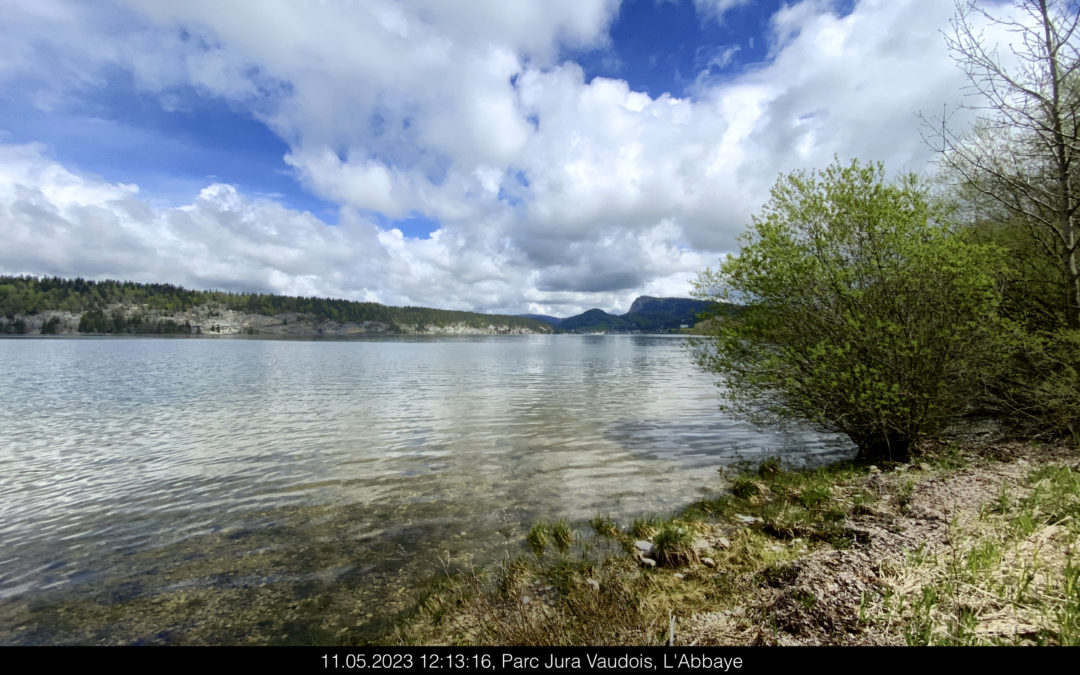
(905, 494)
(747, 487)
(538, 537)
(562, 535)
(646, 527)
(604, 526)
(995, 565)
(814, 495)
(675, 544)
(632, 604)
(770, 467)
(1008, 577)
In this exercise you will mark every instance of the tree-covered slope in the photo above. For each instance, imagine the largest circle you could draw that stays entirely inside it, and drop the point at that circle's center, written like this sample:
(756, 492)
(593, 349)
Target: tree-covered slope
(647, 314)
(551, 320)
(27, 296)
(595, 320)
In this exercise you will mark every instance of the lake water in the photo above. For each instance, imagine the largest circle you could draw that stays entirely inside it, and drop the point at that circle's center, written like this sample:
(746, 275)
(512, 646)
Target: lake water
(231, 491)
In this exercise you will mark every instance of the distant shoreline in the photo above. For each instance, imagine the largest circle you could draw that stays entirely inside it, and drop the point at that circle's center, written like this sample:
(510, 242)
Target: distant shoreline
(53, 305)
(312, 337)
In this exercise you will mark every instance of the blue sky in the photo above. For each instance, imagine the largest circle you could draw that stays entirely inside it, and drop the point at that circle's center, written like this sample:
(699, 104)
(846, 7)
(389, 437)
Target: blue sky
(171, 149)
(536, 156)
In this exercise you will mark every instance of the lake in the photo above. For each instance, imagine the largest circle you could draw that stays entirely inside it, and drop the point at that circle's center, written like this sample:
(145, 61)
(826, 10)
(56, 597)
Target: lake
(241, 491)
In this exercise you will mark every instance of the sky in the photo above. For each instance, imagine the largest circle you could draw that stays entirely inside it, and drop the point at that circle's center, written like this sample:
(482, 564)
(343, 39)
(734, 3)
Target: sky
(530, 156)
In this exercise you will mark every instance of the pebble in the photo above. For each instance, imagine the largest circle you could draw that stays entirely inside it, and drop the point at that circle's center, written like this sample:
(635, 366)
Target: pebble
(708, 562)
(721, 542)
(645, 548)
(593, 584)
(679, 576)
(648, 563)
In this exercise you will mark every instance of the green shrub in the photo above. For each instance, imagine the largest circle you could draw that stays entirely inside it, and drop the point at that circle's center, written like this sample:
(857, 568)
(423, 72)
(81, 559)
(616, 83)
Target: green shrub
(862, 311)
(1042, 386)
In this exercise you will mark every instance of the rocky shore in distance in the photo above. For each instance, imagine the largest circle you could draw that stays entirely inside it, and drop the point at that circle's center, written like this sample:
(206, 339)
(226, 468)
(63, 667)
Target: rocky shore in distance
(209, 321)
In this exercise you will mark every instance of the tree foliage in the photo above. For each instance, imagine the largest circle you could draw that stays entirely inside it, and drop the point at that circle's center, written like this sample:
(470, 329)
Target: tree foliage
(863, 311)
(1016, 175)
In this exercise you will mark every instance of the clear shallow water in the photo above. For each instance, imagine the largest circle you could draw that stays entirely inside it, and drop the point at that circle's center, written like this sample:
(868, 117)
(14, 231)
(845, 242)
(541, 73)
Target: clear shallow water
(233, 491)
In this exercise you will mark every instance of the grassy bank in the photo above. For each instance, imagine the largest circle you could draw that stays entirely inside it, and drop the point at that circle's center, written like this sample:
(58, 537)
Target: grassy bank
(972, 542)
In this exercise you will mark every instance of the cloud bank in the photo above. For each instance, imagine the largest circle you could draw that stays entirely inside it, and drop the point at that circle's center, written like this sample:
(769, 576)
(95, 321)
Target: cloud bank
(552, 192)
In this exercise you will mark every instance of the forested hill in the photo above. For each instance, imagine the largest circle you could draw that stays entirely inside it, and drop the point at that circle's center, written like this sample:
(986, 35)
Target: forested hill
(646, 315)
(55, 305)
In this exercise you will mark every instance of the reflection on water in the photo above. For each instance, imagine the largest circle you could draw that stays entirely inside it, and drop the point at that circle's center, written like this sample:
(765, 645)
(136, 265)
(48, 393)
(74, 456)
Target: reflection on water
(721, 441)
(234, 491)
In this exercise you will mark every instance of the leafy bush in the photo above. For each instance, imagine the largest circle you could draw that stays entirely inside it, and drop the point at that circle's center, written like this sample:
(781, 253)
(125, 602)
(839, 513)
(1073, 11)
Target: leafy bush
(863, 312)
(1042, 385)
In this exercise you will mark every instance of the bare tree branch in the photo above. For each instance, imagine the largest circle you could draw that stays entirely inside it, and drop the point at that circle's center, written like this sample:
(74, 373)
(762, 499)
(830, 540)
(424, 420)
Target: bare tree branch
(1023, 153)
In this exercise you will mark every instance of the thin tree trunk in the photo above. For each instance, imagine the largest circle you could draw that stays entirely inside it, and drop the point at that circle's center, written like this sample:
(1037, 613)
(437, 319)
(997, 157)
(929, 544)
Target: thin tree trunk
(1061, 154)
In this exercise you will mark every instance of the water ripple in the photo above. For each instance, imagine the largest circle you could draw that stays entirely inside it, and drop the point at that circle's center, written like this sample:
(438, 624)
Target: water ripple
(126, 447)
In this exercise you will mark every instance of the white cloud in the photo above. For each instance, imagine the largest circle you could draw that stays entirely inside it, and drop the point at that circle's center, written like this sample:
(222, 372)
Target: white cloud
(555, 193)
(716, 9)
(58, 222)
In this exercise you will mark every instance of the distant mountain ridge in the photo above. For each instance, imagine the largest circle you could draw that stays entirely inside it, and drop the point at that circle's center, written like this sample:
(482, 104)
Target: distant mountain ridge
(646, 315)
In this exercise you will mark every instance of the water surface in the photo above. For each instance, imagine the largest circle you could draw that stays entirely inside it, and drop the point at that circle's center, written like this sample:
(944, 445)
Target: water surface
(261, 491)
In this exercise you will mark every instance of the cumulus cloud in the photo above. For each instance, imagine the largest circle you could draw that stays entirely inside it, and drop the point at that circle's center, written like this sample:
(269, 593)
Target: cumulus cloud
(57, 222)
(554, 192)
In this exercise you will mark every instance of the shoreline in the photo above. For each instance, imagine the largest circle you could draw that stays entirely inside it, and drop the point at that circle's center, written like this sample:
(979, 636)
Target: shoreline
(330, 337)
(971, 542)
